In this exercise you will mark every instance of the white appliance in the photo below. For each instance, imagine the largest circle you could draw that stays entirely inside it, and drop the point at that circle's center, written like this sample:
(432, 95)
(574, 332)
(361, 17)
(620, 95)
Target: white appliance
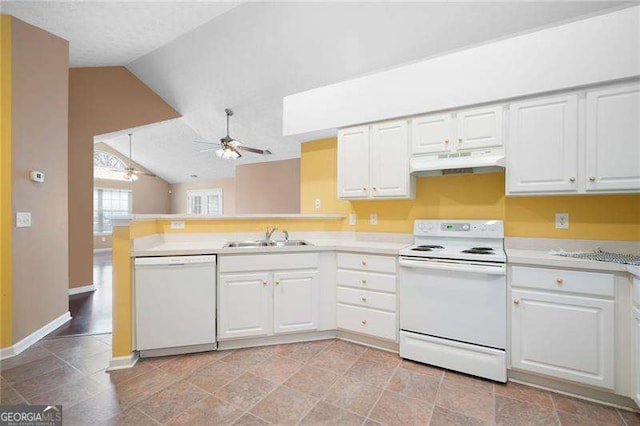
(175, 304)
(453, 297)
(478, 160)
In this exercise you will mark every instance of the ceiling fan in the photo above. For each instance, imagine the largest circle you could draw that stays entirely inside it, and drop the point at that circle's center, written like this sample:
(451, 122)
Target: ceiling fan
(131, 173)
(228, 147)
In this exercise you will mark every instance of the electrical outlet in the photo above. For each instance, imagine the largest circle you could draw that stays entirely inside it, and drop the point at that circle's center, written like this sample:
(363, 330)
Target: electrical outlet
(23, 220)
(352, 218)
(562, 220)
(373, 219)
(177, 224)
(317, 203)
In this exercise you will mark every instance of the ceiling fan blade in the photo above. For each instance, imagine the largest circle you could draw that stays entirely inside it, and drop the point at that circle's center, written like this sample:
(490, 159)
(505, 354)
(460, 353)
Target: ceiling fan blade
(140, 172)
(254, 150)
(209, 149)
(208, 143)
(236, 151)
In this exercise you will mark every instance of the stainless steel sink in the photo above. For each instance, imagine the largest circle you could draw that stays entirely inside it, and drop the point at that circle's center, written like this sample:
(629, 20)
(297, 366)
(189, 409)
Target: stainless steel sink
(247, 244)
(254, 244)
(289, 243)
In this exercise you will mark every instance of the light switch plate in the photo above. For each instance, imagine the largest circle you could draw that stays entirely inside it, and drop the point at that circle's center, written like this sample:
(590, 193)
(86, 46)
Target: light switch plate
(177, 224)
(317, 203)
(562, 220)
(23, 219)
(352, 218)
(373, 219)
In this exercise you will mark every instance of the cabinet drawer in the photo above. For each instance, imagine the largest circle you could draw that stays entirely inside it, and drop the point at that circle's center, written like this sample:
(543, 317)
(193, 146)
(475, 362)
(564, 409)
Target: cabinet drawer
(596, 283)
(367, 280)
(367, 262)
(367, 299)
(367, 321)
(266, 262)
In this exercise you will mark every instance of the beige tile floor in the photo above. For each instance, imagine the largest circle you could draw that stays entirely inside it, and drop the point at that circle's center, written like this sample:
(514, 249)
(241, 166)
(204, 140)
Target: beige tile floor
(325, 382)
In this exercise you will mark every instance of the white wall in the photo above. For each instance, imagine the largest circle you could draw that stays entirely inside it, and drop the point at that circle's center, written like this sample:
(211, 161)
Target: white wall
(589, 51)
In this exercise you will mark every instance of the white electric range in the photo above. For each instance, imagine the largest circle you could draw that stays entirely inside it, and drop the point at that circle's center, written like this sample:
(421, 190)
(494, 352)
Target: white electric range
(453, 297)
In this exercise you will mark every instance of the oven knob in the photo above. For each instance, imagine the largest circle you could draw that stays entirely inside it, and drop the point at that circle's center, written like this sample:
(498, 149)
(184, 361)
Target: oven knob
(465, 227)
(421, 225)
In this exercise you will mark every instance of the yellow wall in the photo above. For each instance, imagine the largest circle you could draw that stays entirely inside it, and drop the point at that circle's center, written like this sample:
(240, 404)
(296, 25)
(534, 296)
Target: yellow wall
(480, 196)
(5, 182)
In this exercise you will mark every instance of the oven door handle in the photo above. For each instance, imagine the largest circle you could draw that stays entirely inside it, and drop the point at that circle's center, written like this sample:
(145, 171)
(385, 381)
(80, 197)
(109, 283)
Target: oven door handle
(457, 267)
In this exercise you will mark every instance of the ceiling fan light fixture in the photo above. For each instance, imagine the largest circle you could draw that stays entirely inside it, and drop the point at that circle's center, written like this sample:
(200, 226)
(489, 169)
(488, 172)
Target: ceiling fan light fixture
(220, 152)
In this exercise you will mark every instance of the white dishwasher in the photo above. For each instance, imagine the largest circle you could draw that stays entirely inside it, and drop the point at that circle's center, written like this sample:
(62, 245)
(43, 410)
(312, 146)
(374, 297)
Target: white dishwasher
(175, 304)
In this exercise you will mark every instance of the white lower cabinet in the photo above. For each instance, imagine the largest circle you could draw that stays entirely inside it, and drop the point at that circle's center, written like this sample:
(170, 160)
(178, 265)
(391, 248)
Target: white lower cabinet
(256, 300)
(562, 334)
(244, 305)
(295, 301)
(636, 355)
(367, 302)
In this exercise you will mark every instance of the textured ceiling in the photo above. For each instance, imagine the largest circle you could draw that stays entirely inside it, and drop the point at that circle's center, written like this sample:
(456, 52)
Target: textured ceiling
(253, 55)
(167, 149)
(114, 32)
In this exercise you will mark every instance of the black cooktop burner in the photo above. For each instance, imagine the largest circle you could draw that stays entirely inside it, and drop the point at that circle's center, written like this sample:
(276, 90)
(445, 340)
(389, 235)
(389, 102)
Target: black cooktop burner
(479, 250)
(427, 248)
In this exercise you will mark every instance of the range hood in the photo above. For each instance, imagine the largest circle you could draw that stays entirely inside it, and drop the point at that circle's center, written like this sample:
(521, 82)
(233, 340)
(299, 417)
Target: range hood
(475, 161)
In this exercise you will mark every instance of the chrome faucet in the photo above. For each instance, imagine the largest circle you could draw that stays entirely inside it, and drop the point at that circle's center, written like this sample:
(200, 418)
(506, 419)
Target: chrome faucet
(286, 235)
(268, 234)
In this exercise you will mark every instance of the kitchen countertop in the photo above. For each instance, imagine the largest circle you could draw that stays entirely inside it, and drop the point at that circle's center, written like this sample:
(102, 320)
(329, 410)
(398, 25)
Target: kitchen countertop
(216, 247)
(544, 258)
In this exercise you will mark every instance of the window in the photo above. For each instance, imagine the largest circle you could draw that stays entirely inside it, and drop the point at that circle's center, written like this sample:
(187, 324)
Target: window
(109, 204)
(205, 201)
(108, 166)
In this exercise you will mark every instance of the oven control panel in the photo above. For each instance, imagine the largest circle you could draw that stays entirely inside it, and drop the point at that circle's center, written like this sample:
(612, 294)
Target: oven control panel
(459, 228)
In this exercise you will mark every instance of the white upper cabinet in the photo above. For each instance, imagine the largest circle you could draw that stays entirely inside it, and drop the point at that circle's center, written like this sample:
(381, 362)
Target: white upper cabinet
(542, 145)
(431, 133)
(389, 159)
(457, 131)
(613, 139)
(587, 142)
(353, 162)
(479, 128)
(373, 161)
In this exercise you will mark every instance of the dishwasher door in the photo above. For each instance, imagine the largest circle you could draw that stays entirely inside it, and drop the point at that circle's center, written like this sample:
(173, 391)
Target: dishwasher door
(175, 302)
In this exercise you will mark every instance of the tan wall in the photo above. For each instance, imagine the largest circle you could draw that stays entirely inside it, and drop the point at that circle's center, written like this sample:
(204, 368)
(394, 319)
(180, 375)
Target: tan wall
(150, 193)
(101, 100)
(272, 187)
(39, 142)
(179, 194)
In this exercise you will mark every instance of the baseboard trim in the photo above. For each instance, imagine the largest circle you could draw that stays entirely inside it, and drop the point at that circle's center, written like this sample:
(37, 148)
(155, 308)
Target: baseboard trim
(83, 289)
(123, 362)
(34, 337)
(102, 250)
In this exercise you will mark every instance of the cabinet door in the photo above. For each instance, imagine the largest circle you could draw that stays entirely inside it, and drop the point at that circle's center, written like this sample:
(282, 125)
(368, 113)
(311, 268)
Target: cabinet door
(245, 301)
(295, 301)
(613, 139)
(353, 162)
(431, 134)
(568, 337)
(479, 128)
(636, 355)
(389, 150)
(542, 147)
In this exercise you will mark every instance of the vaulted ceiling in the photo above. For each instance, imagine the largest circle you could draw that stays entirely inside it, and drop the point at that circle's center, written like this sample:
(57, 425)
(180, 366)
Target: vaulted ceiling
(248, 57)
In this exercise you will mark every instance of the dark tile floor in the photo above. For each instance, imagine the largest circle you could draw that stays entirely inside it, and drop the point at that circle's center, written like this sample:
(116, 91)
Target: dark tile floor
(91, 312)
(329, 382)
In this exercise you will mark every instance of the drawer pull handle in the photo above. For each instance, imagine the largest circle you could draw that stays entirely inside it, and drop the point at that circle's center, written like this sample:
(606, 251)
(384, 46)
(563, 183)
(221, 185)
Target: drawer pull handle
(364, 283)
(364, 299)
(364, 188)
(364, 263)
(572, 179)
(446, 142)
(592, 179)
(264, 282)
(516, 301)
(363, 322)
(559, 281)
(277, 282)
